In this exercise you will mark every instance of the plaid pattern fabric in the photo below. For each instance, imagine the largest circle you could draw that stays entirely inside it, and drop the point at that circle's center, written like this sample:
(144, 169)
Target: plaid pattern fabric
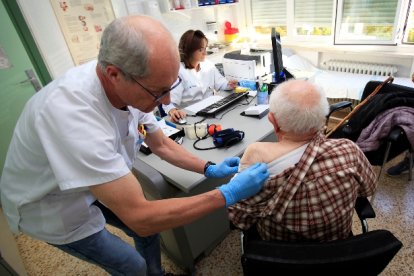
(313, 200)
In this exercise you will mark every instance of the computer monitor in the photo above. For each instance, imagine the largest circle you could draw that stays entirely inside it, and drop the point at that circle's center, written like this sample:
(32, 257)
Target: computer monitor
(277, 57)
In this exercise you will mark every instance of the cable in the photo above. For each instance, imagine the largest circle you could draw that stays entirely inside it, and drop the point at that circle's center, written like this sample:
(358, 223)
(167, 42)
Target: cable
(195, 130)
(221, 117)
(234, 107)
(197, 148)
(200, 138)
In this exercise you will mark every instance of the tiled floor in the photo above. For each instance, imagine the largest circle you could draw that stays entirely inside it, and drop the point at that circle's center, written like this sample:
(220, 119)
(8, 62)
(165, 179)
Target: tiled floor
(393, 203)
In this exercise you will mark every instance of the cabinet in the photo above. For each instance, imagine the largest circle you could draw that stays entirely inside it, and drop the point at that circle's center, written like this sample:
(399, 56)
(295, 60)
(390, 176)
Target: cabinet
(209, 19)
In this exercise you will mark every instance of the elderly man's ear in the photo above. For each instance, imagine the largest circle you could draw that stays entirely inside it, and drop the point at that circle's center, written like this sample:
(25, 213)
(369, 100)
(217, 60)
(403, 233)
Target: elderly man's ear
(273, 121)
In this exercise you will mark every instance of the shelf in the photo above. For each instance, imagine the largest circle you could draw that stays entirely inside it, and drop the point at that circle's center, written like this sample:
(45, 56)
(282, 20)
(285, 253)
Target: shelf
(204, 7)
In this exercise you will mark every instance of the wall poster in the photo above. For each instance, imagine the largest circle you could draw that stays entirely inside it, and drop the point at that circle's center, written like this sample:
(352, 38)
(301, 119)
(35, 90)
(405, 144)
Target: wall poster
(82, 23)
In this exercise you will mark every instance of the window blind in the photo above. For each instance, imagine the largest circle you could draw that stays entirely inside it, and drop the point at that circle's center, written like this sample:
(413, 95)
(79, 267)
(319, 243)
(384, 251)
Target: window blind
(268, 12)
(313, 12)
(409, 25)
(369, 11)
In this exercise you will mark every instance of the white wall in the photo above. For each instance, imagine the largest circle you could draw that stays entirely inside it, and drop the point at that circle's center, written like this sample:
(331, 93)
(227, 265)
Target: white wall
(44, 26)
(180, 21)
(400, 56)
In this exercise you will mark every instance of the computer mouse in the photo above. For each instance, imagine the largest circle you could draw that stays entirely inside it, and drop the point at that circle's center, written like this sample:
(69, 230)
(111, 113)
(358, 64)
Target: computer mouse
(182, 121)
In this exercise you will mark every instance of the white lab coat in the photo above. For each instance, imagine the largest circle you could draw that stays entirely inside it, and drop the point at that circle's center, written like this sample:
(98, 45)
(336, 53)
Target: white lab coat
(69, 137)
(196, 86)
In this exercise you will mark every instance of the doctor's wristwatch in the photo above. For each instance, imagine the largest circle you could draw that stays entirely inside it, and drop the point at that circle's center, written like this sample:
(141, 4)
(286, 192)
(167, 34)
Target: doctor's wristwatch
(208, 164)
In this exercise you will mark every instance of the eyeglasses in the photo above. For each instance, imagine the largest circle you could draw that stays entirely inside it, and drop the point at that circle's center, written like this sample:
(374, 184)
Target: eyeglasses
(163, 94)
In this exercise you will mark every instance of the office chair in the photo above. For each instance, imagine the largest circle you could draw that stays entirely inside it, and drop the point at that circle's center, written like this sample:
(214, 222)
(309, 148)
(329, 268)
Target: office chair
(389, 96)
(364, 254)
(337, 107)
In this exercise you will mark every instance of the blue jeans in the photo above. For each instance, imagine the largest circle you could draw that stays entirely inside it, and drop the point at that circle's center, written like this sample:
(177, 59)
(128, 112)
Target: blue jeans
(116, 256)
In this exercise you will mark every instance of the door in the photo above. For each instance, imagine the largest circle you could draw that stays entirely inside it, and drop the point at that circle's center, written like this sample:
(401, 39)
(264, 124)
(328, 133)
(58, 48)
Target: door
(16, 85)
(18, 82)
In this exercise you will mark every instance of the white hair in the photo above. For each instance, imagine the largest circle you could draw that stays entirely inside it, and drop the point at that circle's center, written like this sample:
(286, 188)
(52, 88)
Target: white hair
(125, 47)
(292, 113)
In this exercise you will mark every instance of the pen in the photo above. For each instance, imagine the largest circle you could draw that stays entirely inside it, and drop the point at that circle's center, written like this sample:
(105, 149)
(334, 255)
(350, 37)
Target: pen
(214, 90)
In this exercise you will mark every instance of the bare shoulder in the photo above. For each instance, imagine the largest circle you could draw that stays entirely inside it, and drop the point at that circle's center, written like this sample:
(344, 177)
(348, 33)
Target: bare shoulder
(256, 152)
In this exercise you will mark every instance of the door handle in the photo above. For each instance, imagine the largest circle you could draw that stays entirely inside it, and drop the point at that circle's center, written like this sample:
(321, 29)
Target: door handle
(32, 79)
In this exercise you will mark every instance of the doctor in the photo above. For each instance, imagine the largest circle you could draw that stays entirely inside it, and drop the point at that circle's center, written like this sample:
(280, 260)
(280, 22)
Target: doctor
(200, 77)
(68, 168)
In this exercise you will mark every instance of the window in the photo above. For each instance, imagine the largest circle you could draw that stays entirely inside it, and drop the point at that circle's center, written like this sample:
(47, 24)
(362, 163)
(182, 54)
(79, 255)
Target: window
(367, 21)
(313, 17)
(267, 14)
(409, 27)
(346, 21)
(309, 17)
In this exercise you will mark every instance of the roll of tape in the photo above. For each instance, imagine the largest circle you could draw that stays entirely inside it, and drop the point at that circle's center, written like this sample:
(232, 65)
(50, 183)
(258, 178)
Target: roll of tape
(200, 129)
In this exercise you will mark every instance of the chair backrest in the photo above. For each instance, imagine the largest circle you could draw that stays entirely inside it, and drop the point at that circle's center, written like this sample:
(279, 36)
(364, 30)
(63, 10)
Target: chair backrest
(390, 96)
(365, 254)
(390, 87)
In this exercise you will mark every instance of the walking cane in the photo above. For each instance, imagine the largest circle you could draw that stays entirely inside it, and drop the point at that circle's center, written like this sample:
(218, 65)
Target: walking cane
(377, 89)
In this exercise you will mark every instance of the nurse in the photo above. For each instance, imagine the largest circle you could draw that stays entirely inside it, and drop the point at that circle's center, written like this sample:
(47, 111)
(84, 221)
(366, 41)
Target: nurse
(200, 77)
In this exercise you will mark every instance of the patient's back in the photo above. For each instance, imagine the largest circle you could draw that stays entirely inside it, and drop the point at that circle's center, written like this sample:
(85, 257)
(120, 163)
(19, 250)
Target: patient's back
(312, 199)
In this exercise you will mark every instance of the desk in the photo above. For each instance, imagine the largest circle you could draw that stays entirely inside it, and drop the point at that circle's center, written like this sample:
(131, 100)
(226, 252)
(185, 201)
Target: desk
(160, 180)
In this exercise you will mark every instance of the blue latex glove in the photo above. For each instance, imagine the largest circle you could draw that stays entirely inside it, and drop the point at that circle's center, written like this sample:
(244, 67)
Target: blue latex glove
(228, 167)
(245, 184)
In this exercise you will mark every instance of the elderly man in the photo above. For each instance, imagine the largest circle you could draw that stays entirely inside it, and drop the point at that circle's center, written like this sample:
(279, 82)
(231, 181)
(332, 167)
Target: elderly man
(67, 171)
(314, 181)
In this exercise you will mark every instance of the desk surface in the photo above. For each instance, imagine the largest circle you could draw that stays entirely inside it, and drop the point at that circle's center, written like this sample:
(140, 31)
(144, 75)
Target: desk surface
(255, 130)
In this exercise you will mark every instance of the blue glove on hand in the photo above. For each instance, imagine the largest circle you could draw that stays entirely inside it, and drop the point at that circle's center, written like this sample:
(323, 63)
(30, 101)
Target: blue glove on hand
(245, 184)
(228, 167)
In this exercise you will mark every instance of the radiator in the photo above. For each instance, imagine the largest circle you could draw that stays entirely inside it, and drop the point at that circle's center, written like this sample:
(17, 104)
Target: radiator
(366, 68)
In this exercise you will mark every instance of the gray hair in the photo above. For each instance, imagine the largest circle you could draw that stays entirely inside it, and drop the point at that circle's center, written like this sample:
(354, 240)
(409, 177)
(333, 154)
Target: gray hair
(125, 47)
(294, 117)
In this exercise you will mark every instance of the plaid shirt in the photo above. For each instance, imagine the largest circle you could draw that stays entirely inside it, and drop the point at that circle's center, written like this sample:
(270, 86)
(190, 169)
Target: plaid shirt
(313, 200)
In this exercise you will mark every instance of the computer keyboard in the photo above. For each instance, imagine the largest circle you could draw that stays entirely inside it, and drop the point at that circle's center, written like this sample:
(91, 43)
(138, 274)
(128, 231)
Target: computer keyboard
(222, 104)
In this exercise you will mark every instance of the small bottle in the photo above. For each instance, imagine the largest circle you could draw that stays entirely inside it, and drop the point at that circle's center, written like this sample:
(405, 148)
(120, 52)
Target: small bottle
(194, 3)
(262, 94)
(186, 4)
(177, 4)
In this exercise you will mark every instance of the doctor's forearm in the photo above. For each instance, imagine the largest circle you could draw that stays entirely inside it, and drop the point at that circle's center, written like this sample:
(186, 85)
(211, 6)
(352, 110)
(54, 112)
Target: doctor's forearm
(165, 214)
(180, 157)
